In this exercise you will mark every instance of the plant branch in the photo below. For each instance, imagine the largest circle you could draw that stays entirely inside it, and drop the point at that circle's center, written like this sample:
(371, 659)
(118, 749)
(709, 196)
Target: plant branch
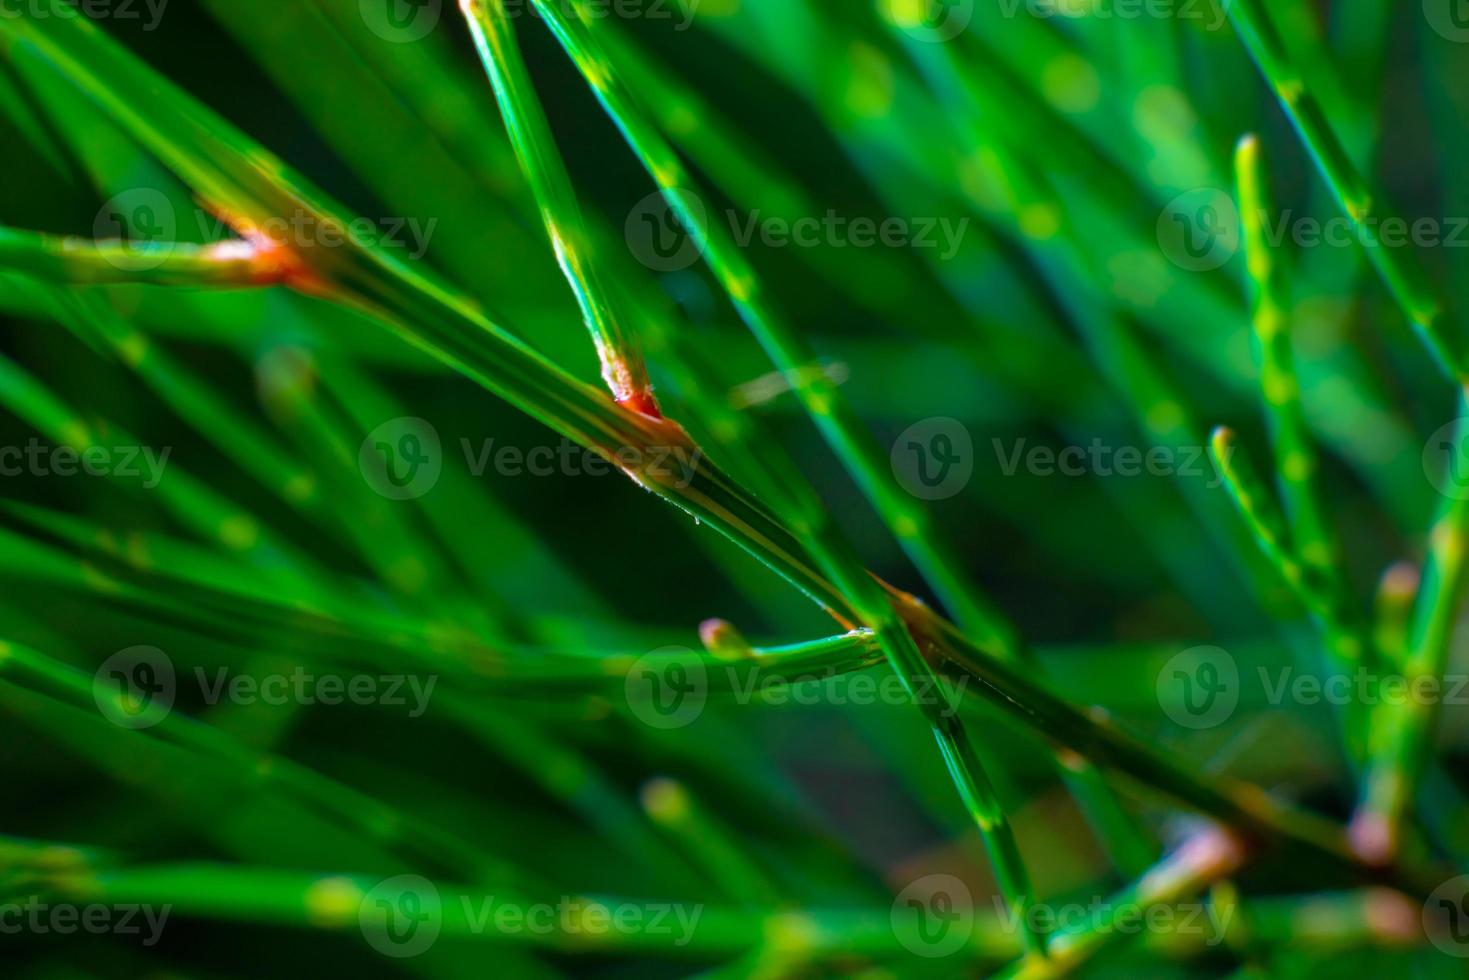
(541, 164)
(79, 262)
(1400, 270)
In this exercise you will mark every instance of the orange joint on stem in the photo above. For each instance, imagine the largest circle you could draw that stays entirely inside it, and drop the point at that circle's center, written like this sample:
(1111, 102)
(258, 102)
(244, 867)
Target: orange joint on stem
(273, 261)
(629, 388)
(643, 402)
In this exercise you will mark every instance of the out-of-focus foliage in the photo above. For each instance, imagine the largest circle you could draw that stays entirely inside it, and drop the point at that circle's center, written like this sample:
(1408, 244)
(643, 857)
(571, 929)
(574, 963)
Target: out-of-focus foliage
(331, 639)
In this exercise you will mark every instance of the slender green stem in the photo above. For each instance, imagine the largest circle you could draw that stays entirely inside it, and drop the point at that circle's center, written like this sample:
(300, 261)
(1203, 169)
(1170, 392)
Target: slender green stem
(552, 675)
(1402, 738)
(249, 768)
(333, 901)
(1305, 549)
(1392, 623)
(824, 402)
(1344, 639)
(1244, 808)
(229, 167)
(1203, 859)
(843, 431)
(1297, 466)
(1129, 844)
(535, 147)
(77, 261)
(721, 853)
(1056, 248)
(1257, 505)
(1400, 269)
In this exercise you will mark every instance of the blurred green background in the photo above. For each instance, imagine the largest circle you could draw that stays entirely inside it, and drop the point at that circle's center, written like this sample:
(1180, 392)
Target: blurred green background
(1066, 140)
